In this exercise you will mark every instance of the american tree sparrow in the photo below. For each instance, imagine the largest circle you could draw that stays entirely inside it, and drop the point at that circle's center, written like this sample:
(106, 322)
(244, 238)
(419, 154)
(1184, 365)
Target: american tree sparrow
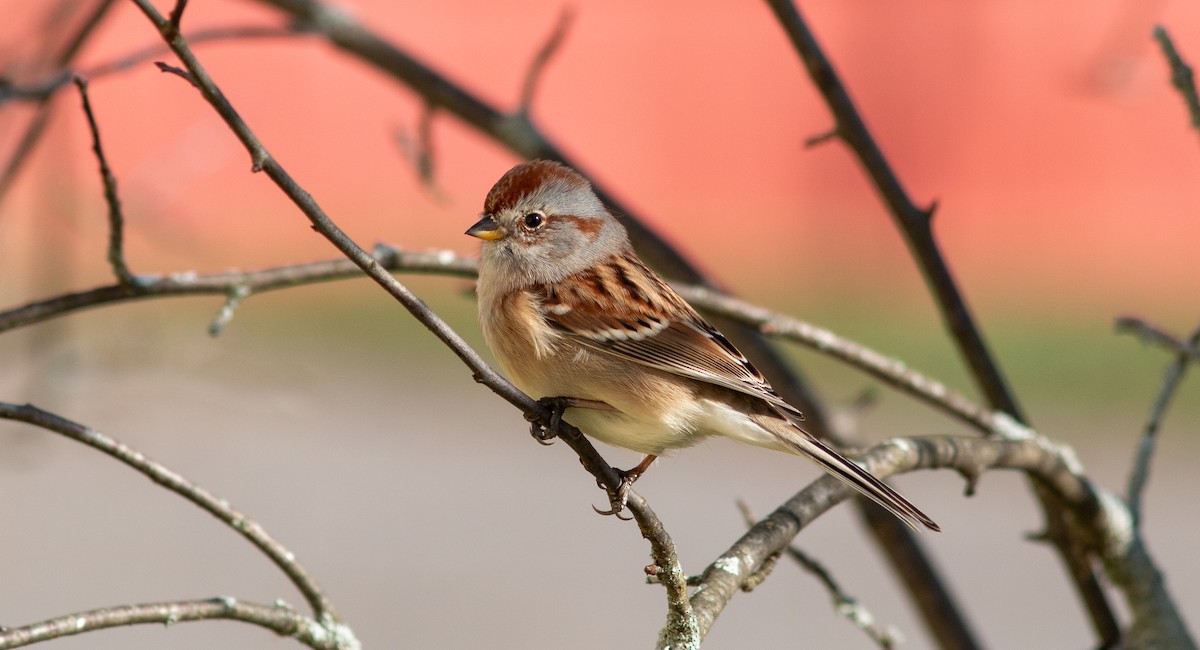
(569, 310)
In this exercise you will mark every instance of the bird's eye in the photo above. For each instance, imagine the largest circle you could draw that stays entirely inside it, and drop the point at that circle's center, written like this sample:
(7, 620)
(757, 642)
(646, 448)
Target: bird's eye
(534, 220)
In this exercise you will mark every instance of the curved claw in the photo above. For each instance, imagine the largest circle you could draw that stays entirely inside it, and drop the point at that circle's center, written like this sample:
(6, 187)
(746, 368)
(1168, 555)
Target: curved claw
(546, 433)
(618, 498)
(543, 434)
(616, 511)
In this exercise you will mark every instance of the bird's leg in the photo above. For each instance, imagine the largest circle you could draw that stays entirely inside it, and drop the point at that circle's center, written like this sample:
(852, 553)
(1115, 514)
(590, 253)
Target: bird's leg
(618, 497)
(546, 433)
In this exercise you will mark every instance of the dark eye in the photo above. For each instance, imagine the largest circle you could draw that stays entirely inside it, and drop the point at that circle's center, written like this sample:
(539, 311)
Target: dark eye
(534, 220)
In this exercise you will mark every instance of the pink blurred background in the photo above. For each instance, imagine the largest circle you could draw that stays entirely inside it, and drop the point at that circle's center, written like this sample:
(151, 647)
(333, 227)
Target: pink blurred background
(1060, 157)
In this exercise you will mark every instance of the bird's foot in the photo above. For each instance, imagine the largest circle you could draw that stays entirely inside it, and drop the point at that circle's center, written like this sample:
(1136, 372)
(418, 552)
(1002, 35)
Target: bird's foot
(618, 498)
(547, 432)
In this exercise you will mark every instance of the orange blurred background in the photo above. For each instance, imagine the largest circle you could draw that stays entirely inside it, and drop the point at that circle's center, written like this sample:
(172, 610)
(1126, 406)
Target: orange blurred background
(1048, 134)
(1065, 171)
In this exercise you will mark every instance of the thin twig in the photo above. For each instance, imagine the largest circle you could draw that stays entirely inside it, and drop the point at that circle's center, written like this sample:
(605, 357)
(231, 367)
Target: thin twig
(116, 218)
(1181, 74)
(217, 507)
(48, 86)
(1186, 353)
(278, 618)
(175, 19)
(236, 295)
(843, 604)
(533, 75)
(418, 150)
(892, 372)
(1154, 335)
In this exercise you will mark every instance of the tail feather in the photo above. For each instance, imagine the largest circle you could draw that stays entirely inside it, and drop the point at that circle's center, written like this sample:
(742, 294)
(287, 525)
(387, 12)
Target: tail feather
(856, 477)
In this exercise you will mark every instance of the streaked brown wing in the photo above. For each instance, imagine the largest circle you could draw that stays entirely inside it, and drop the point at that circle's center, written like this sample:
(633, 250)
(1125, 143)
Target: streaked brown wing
(623, 308)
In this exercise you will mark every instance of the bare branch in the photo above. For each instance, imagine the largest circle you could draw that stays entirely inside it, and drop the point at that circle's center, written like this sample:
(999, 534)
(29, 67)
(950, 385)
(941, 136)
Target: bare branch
(538, 66)
(236, 295)
(33, 132)
(1181, 74)
(913, 222)
(940, 611)
(915, 225)
(419, 152)
(278, 618)
(262, 281)
(46, 87)
(116, 219)
(176, 18)
(1186, 352)
(219, 508)
(892, 372)
(843, 604)
(178, 72)
(1154, 335)
(1099, 516)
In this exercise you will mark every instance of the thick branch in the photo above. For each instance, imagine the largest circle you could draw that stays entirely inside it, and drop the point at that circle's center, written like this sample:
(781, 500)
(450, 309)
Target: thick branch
(1181, 75)
(1100, 518)
(915, 224)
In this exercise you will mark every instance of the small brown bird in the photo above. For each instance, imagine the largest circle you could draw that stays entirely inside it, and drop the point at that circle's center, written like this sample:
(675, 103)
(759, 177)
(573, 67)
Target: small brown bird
(569, 310)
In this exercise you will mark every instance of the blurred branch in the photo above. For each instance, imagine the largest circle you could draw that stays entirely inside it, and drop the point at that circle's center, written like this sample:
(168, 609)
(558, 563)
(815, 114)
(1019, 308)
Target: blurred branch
(1154, 335)
(1186, 352)
(45, 88)
(418, 149)
(915, 224)
(280, 619)
(37, 124)
(537, 67)
(843, 604)
(116, 219)
(1181, 74)
(217, 507)
(652, 529)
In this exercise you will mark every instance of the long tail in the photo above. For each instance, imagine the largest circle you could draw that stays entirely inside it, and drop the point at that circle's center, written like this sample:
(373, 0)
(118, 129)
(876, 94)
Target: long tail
(855, 476)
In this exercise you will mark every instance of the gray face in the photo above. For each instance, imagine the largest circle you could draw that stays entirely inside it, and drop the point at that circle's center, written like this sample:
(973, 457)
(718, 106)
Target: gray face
(548, 225)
